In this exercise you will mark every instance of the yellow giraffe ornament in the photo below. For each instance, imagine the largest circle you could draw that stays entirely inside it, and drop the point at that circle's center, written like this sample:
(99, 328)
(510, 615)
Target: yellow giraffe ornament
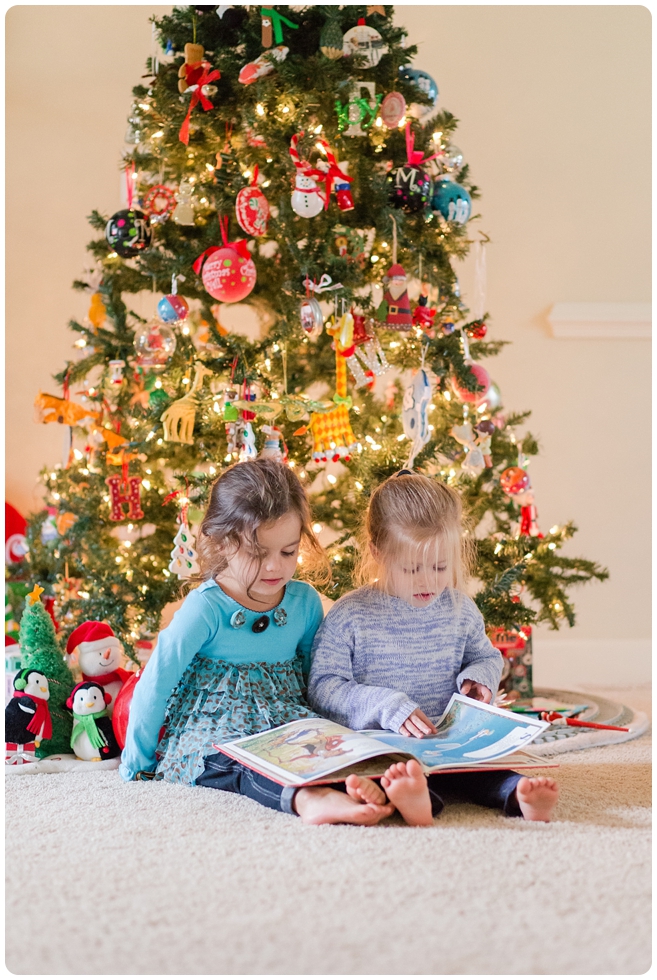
(333, 437)
(179, 417)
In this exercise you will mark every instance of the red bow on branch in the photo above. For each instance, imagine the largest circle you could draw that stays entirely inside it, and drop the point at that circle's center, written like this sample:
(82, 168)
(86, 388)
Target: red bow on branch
(328, 176)
(198, 75)
(413, 156)
(238, 246)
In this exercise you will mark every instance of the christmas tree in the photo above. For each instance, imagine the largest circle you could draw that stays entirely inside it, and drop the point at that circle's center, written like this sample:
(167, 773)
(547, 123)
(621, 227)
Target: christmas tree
(40, 651)
(291, 160)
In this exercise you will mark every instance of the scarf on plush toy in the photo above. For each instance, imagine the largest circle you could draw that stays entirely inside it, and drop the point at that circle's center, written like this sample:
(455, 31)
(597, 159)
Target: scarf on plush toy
(41, 715)
(113, 675)
(87, 723)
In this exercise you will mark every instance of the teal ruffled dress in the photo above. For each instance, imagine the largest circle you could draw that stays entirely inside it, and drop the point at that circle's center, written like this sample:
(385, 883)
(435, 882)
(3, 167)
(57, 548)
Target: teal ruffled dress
(209, 682)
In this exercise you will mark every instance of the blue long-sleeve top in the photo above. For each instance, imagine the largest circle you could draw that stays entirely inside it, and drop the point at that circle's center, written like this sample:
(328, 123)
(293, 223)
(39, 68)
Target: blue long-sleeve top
(202, 626)
(376, 658)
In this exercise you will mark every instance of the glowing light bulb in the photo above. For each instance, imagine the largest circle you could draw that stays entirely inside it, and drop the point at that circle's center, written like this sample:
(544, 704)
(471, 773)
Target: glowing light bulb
(331, 478)
(317, 528)
(260, 109)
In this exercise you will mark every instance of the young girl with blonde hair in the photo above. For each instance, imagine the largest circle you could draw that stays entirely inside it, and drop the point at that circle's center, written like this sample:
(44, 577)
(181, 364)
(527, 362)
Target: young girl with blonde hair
(391, 654)
(235, 657)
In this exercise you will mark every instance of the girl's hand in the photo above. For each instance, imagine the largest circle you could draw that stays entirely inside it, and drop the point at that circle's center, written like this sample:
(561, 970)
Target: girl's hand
(477, 691)
(417, 725)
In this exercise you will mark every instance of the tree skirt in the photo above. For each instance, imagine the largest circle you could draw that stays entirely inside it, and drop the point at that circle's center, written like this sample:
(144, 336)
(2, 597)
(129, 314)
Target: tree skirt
(557, 739)
(61, 763)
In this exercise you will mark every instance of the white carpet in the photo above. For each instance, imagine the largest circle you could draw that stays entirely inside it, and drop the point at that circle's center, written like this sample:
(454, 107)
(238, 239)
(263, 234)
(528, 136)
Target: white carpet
(150, 878)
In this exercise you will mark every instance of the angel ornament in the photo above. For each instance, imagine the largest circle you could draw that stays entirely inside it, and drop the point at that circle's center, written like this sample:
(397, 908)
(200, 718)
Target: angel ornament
(474, 462)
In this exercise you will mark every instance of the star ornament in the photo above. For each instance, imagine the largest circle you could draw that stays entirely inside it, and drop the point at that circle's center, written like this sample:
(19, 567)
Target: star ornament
(35, 594)
(376, 9)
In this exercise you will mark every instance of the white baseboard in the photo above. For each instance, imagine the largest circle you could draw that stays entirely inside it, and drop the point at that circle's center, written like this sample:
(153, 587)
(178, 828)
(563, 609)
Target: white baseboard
(604, 663)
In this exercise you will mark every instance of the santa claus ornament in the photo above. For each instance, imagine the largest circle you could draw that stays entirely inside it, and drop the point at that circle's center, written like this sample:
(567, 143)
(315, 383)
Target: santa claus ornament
(99, 654)
(395, 309)
(252, 208)
(228, 272)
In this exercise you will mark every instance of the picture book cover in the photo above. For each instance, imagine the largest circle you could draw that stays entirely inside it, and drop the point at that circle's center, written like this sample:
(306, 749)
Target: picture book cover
(470, 735)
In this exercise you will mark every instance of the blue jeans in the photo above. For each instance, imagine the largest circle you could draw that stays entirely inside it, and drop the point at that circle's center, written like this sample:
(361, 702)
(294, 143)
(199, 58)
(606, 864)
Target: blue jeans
(493, 789)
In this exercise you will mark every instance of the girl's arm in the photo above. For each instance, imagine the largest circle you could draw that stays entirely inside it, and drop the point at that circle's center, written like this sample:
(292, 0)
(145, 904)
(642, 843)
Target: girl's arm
(481, 661)
(333, 692)
(192, 626)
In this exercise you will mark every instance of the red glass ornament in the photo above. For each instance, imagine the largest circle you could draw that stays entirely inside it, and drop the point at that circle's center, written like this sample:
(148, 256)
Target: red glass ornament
(483, 378)
(514, 480)
(477, 330)
(252, 211)
(121, 711)
(228, 276)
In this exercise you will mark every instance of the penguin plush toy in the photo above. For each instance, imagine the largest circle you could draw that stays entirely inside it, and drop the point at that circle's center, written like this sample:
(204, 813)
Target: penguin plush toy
(27, 718)
(93, 738)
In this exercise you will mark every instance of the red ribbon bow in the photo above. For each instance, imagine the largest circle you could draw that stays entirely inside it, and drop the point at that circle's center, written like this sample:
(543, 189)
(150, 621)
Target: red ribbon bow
(415, 157)
(238, 246)
(198, 75)
(328, 176)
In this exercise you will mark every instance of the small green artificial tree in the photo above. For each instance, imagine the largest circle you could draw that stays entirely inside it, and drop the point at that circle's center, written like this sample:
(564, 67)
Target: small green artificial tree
(123, 578)
(40, 650)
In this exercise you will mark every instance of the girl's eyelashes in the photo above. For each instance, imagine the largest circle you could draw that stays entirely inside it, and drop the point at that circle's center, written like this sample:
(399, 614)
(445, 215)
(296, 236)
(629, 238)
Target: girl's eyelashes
(287, 554)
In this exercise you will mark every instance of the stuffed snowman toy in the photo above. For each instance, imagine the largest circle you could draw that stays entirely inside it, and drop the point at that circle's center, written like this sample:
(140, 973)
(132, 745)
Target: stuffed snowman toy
(93, 738)
(99, 655)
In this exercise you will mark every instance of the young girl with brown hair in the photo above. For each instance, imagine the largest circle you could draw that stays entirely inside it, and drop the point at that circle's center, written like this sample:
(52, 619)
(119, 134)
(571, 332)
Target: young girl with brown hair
(235, 657)
(391, 654)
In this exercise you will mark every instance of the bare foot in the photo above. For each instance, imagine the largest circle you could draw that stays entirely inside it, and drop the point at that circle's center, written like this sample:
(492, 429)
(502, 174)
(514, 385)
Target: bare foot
(406, 786)
(537, 797)
(320, 804)
(364, 790)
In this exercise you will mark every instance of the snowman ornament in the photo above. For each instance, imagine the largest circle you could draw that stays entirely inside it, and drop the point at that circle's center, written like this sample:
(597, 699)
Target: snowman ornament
(93, 738)
(99, 654)
(307, 200)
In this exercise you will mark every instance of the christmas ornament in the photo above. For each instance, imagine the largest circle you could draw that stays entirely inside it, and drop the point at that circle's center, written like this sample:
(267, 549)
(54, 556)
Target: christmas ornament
(159, 203)
(366, 42)
(272, 26)
(272, 447)
(15, 528)
(312, 318)
(476, 330)
(395, 308)
(93, 737)
(393, 109)
(99, 655)
(246, 442)
(452, 201)
(172, 308)
(231, 416)
(116, 371)
(528, 515)
(514, 480)
(64, 522)
(415, 414)
(447, 328)
(50, 408)
(423, 316)
(343, 332)
(492, 400)
(195, 75)
(485, 428)
(122, 704)
(359, 110)
(451, 159)
(27, 718)
(369, 349)
(184, 211)
(252, 208)
(184, 557)
(410, 186)
(49, 530)
(482, 378)
(474, 459)
(307, 200)
(332, 434)
(154, 343)
(330, 39)
(178, 418)
(327, 172)
(425, 83)
(125, 490)
(262, 66)
(96, 311)
(128, 232)
(228, 272)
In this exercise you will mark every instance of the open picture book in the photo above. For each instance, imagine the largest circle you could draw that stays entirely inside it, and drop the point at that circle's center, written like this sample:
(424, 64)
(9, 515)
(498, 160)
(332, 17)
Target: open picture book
(470, 735)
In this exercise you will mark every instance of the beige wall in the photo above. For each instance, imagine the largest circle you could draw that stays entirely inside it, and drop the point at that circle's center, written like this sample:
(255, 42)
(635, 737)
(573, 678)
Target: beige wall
(554, 104)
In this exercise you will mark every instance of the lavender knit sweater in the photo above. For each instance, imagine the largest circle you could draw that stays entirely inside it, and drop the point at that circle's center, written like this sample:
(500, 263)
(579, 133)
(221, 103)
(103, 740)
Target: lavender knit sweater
(376, 659)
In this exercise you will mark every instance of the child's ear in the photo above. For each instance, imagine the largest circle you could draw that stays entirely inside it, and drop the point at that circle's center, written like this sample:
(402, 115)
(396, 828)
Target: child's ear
(375, 553)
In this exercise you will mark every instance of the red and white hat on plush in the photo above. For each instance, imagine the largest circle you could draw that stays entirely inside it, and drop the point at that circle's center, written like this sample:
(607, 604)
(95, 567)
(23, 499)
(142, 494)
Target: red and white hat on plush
(92, 635)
